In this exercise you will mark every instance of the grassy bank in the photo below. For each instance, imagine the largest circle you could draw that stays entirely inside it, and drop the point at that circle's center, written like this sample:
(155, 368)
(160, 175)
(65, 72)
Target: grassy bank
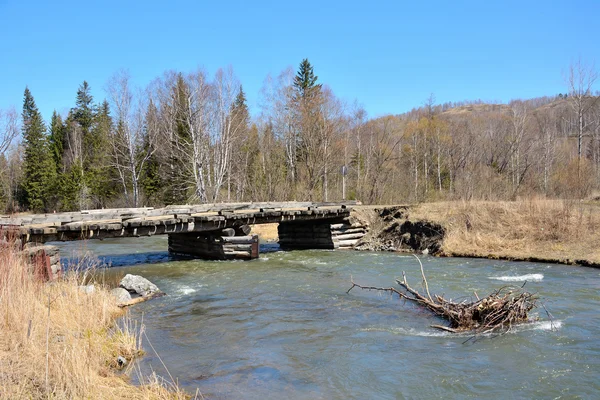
(563, 231)
(60, 342)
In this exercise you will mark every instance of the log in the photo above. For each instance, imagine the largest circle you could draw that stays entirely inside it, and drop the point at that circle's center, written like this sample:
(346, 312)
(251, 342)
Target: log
(239, 239)
(347, 231)
(228, 232)
(347, 243)
(345, 226)
(350, 236)
(237, 247)
(243, 230)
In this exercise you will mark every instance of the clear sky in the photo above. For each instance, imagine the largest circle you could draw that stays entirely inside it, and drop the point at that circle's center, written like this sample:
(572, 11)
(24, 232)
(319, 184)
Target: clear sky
(387, 55)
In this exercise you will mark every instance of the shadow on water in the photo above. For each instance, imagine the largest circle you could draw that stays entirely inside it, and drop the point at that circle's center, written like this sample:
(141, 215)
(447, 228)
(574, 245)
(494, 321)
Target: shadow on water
(130, 259)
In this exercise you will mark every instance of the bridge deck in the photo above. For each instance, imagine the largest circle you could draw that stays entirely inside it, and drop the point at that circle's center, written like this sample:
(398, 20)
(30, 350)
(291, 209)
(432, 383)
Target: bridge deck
(116, 223)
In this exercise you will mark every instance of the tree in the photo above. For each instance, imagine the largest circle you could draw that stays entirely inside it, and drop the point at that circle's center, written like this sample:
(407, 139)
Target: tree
(580, 80)
(56, 140)
(38, 165)
(305, 81)
(8, 129)
(8, 132)
(151, 179)
(238, 170)
(129, 155)
(99, 177)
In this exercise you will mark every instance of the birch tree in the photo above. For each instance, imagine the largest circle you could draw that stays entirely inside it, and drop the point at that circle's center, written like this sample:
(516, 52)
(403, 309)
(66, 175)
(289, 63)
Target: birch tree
(127, 142)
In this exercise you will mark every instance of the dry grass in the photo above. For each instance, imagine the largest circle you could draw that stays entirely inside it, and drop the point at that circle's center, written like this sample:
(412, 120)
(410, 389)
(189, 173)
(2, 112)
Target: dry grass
(59, 342)
(565, 231)
(267, 232)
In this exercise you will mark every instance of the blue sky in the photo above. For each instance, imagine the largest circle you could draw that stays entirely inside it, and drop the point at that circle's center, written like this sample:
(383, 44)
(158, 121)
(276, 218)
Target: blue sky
(387, 55)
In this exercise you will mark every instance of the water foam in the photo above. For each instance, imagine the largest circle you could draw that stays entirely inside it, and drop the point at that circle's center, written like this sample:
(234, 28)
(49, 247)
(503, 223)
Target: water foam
(539, 326)
(186, 290)
(406, 332)
(520, 278)
(533, 326)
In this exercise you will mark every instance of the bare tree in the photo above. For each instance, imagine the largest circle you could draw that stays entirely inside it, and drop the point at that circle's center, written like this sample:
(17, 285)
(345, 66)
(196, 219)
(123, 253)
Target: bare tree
(197, 120)
(130, 149)
(9, 128)
(226, 126)
(580, 80)
(278, 111)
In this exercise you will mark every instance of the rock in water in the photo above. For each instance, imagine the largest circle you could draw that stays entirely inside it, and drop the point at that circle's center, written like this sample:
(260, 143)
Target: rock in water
(139, 285)
(122, 295)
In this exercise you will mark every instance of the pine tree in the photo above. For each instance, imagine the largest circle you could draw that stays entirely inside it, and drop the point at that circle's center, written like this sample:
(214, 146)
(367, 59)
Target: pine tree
(305, 80)
(237, 174)
(39, 168)
(151, 179)
(57, 138)
(71, 187)
(83, 112)
(178, 175)
(97, 171)
(83, 115)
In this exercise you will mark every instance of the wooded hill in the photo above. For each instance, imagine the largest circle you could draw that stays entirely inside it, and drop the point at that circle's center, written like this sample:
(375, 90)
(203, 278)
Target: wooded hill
(189, 138)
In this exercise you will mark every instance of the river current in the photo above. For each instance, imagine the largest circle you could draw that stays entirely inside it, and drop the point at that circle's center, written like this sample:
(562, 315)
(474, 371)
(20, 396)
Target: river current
(283, 326)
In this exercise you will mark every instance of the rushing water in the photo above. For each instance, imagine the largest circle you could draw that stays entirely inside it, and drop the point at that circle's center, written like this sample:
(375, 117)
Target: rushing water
(283, 325)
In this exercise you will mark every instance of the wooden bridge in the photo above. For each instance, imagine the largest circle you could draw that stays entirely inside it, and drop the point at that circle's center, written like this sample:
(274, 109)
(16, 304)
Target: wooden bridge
(219, 231)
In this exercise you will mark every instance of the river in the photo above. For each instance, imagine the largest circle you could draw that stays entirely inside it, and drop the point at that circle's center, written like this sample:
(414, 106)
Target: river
(283, 325)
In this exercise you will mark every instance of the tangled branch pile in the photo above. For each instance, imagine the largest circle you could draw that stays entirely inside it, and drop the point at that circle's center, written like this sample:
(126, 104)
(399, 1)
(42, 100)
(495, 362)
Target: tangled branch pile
(500, 310)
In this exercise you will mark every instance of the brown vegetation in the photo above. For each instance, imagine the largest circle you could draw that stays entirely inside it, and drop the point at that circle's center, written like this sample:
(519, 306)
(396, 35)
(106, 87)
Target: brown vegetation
(60, 342)
(563, 231)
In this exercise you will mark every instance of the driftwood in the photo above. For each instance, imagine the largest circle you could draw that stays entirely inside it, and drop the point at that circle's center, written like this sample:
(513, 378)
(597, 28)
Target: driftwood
(141, 299)
(499, 311)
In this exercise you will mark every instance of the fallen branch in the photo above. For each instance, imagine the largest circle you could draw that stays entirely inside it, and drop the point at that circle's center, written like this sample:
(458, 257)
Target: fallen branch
(141, 299)
(500, 310)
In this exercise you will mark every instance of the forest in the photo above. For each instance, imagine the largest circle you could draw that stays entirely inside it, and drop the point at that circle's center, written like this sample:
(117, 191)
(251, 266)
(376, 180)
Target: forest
(189, 138)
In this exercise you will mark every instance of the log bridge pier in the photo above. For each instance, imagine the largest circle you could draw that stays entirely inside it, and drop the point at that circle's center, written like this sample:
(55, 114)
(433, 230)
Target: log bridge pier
(212, 231)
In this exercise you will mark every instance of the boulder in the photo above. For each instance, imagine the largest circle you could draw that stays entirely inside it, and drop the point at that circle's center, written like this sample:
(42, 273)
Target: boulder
(139, 285)
(122, 295)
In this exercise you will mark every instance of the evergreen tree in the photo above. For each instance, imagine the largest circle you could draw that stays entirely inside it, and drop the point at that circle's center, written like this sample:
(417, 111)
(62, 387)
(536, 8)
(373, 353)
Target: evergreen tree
(39, 169)
(99, 176)
(83, 113)
(57, 138)
(237, 174)
(151, 179)
(72, 191)
(178, 175)
(305, 81)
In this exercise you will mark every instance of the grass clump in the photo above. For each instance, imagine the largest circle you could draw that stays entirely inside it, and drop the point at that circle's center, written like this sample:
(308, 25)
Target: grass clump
(60, 342)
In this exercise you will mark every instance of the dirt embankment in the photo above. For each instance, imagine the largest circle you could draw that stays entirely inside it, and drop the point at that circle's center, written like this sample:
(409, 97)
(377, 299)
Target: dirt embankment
(393, 230)
(558, 231)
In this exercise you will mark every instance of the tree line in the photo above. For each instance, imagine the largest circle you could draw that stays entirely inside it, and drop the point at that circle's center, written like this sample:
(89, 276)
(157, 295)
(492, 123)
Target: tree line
(190, 138)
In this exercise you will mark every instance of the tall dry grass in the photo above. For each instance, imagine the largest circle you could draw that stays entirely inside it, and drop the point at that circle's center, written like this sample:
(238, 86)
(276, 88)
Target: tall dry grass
(554, 230)
(59, 342)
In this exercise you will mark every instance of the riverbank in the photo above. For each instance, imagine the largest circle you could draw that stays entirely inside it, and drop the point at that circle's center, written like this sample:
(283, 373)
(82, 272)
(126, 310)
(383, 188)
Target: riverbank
(557, 231)
(61, 340)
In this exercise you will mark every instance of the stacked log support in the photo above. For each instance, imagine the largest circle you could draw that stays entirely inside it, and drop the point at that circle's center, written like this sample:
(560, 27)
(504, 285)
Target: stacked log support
(342, 234)
(347, 234)
(217, 245)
